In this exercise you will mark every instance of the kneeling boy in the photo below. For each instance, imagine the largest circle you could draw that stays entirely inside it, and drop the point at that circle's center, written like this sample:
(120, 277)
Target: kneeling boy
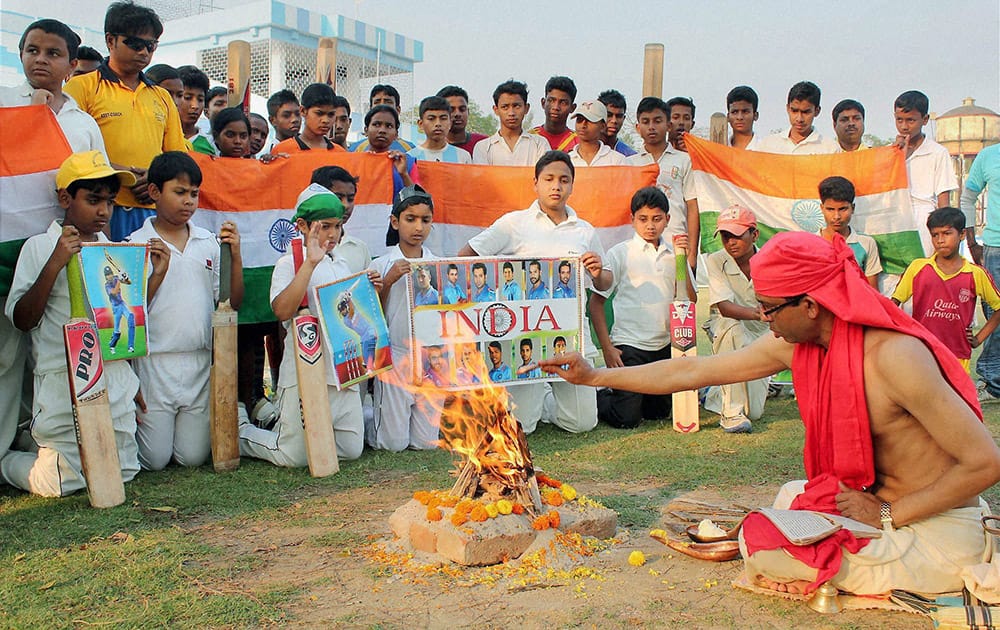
(644, 281)
(318, 215)
(39, 304)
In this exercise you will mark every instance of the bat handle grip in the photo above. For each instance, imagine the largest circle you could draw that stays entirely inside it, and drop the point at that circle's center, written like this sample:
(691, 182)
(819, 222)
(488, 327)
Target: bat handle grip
(225, 271)
(74, 278)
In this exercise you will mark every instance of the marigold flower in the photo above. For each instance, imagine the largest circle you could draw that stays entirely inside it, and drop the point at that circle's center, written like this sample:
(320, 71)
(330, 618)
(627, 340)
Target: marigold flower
(459, 518)
(553, 517)
(517, 508)
(504, 506)
(637, 558)
(422, 496)
(479, 514)
(434, 514)
(448, 500)
(568, 492)
(492, 510)
(547, 481)
(540, 522)
(465, 505)
(553, 498)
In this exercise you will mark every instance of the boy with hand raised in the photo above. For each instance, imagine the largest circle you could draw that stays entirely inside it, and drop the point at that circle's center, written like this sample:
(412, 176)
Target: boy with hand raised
(928, 164)
(181, 292)
(510, 145)
(39, 303)
(318, 217)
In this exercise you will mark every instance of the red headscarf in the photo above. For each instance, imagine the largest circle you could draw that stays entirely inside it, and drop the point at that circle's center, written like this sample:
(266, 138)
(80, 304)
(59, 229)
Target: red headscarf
(829, 382)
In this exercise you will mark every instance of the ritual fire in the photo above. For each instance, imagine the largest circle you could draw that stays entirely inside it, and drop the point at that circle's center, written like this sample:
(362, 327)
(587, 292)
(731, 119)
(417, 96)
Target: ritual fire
(498, 503)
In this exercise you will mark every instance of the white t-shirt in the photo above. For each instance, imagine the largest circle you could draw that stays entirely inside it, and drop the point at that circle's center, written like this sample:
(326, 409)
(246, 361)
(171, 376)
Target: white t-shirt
(180, 314)
(675, 180)
(606, 156)
(494, 150)
(355, 252)
(726, 283)
(813, 144)
(930, 173)
(644, 285)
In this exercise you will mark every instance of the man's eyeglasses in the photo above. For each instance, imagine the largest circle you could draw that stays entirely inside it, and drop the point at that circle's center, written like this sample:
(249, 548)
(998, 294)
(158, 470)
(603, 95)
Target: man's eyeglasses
(793, 301)
(138, 43)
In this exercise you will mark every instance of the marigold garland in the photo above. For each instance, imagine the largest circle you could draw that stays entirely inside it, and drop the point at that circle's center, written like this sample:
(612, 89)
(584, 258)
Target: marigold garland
(540, 523)
(492, 510)
(547, 481)
(459, 518)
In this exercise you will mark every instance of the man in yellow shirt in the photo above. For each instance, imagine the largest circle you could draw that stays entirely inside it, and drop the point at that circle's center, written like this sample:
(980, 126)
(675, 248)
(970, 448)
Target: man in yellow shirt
(138, 119)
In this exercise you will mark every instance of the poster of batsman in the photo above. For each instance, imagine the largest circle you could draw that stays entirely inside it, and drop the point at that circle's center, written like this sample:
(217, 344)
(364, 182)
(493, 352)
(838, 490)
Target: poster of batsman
(355, 329)
(114, 276)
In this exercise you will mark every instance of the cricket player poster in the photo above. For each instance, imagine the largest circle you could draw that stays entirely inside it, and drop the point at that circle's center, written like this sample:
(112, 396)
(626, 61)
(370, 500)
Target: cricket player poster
(114, 279)
(355, 329)
(479, 319)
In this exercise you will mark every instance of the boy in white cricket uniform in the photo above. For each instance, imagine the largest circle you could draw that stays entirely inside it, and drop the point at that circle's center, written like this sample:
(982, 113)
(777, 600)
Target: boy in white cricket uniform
(39, 304)
(318, 215)
(549, 228)
(183, 288)
(402, 420)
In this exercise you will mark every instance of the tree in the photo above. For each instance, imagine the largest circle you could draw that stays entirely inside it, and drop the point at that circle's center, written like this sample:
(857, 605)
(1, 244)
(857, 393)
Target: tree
(481, 123)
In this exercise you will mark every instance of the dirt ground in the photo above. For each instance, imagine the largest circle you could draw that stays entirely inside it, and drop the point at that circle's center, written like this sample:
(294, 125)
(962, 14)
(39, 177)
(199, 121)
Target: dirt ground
(336, 554)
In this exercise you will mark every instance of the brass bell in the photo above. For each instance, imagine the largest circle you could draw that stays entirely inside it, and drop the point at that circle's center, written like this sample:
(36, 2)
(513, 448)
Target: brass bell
(826, 600)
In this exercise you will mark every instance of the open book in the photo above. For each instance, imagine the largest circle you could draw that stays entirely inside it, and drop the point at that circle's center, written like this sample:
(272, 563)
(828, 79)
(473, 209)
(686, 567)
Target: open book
(804, 527)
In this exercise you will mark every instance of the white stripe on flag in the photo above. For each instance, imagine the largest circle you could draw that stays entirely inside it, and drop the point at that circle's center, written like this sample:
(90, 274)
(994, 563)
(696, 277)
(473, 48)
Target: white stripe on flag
(28, 204)
(265, 234)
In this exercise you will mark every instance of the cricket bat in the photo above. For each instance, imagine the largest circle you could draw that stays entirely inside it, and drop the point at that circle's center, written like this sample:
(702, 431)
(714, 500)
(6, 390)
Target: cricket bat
(326, 62)
(95, 432)
(238, 74)
(310, 368)
(224, 421)
(683, 343)
(718, 129)
(652, 71)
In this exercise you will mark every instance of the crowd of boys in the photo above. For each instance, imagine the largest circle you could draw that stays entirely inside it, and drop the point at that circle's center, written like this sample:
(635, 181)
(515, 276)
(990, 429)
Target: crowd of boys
(130, 127)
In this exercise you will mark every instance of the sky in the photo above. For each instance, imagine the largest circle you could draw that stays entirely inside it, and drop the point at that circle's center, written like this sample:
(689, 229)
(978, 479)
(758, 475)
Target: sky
(866, 50)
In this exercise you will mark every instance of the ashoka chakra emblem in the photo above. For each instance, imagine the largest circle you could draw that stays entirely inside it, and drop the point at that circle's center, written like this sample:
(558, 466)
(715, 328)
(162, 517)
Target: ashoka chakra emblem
(808, 215)
(281, 234)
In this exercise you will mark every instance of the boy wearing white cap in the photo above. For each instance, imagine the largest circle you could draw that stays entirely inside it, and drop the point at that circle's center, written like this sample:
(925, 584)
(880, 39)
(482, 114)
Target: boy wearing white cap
(318, 217)
(734, 319)
(39, 304)
(591, 119)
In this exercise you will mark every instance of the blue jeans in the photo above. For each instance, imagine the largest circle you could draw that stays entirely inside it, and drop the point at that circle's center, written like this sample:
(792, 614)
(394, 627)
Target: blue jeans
(988, 365)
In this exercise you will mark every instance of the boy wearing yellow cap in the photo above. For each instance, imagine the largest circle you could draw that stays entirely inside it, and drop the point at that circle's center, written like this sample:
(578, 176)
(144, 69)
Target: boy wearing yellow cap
(318, 217)
(39, 304)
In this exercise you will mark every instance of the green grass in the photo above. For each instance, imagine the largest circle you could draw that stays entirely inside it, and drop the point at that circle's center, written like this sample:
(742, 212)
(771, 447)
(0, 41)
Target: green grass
(62, 564)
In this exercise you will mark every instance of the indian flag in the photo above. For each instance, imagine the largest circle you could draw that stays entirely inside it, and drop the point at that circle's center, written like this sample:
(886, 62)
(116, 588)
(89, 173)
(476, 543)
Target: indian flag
(31, 150)
(782, 191)
(469, 198)
(260, 199)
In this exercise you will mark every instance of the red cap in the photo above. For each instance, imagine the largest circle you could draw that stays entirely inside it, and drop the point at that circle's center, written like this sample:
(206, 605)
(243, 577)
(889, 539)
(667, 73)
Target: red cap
(736, 220)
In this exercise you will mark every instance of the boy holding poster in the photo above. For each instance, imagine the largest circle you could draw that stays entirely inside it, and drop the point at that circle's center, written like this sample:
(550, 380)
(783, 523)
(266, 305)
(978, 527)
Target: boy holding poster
(402, 421)
(318, 216)
(39, 304)
(549, 228)
(644, 279)
(181, 293)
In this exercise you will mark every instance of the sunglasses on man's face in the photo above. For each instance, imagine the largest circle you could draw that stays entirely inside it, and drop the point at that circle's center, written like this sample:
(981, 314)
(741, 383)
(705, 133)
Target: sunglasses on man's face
(138, 43)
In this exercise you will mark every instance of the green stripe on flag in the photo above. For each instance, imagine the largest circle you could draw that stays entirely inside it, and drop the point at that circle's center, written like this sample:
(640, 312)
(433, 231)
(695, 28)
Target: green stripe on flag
(896, 249)
(9, 251)
(256, 306)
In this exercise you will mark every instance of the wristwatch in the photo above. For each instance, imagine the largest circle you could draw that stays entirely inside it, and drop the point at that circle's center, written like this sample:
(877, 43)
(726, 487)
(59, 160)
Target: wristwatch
(885, 515)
